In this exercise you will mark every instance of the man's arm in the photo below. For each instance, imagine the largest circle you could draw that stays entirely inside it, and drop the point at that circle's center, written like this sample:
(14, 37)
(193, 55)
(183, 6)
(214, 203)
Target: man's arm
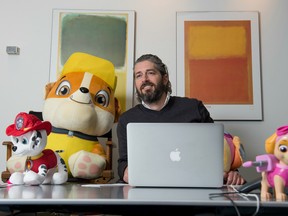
(122, 149)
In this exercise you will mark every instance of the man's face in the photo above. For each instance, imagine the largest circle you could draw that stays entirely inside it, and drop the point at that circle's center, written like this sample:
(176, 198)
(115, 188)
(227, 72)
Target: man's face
(148, 82)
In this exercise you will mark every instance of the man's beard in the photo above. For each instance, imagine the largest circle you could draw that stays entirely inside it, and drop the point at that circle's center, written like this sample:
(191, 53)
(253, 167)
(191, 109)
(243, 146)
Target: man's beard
(151, 96)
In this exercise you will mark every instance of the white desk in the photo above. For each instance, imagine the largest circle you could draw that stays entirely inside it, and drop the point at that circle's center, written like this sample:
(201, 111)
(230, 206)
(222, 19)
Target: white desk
(71, 198)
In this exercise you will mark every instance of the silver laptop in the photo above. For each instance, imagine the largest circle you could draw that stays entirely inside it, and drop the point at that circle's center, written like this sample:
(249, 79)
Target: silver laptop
(175, 154)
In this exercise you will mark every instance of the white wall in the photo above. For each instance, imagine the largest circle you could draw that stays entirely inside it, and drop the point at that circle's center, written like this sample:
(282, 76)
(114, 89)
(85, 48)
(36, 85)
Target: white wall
(27, 24)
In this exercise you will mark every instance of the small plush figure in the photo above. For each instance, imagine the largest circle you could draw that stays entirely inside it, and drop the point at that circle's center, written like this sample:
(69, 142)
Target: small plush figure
(273, 165)
(233, 152)
(29, 137)
(81, 106)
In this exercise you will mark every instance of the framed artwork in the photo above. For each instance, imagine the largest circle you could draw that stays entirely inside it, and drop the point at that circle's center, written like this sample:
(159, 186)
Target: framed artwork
(106, 34)
(218, 62)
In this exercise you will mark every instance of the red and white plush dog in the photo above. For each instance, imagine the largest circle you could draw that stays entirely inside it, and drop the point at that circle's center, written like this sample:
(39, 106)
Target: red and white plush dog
(42, 166)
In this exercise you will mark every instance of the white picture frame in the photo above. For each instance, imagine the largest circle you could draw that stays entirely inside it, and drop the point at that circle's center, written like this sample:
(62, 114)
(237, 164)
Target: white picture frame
(98, 30)
(250, 108)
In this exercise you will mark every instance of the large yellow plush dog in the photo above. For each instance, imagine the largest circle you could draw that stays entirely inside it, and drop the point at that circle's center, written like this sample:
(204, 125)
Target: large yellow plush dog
(81, 107)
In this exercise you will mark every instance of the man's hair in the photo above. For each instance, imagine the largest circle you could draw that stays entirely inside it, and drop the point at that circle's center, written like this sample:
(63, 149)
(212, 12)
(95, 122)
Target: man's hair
(159, 65)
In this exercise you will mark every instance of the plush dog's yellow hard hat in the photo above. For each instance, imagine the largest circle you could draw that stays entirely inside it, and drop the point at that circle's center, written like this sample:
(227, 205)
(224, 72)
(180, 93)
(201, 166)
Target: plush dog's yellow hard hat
(83, 62)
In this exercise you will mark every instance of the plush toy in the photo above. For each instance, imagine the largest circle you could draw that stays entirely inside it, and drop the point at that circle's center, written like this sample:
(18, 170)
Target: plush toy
(42, 166)
(233, 152)
(81, 106)
(273, 165)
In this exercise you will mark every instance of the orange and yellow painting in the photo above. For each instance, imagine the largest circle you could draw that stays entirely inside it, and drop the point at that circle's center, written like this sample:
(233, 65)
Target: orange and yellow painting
(218, 61)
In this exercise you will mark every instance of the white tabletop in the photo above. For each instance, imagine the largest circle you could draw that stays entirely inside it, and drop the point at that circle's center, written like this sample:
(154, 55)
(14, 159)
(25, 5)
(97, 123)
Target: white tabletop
(77, 195)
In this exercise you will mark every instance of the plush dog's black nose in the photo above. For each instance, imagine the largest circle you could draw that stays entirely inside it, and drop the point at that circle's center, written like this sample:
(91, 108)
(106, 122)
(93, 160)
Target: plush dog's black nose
(84, 89)
(14, 148)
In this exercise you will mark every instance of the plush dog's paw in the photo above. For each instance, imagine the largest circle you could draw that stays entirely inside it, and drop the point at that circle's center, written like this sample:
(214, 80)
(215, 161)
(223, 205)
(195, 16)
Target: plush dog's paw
(32, 178)
(16, 178)
(86, 165)
(266, 196)
(42, 170)
(59, 178)
(281, 197)
(16, 164)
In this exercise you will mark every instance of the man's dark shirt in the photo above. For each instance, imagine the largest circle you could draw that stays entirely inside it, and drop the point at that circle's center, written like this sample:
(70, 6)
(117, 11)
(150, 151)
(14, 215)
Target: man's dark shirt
(178, 109)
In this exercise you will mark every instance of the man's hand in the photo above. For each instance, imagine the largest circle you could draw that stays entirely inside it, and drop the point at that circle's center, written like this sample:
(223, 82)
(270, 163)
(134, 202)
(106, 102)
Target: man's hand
(233, 178)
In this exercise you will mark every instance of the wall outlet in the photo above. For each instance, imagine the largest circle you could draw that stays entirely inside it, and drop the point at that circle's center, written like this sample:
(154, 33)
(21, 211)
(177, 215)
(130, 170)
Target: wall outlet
(13, 50)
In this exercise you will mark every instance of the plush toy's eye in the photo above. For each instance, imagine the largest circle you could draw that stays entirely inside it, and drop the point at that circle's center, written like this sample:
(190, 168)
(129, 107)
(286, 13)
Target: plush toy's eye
(282, 148)
(102, 98)
(63, 88)
(24, 141)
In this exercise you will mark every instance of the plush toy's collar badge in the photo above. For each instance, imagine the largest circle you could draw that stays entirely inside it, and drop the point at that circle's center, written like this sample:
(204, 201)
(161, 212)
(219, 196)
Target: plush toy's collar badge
(25, 122)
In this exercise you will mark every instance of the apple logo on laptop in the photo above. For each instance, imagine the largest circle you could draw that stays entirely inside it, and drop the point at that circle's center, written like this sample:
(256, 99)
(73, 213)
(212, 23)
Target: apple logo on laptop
(175, 155)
